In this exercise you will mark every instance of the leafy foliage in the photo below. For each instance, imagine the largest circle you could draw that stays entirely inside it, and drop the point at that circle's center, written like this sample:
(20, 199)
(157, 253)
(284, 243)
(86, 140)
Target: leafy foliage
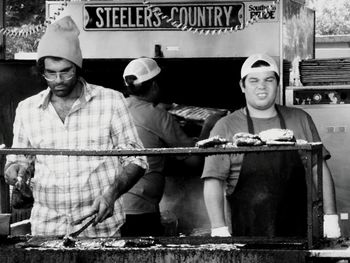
(332, 16)
(21, 16)
(24, 12)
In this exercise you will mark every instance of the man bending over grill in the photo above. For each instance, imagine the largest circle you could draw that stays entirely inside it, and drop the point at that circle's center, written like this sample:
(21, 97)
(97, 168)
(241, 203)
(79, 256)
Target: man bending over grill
(157, 128)
(73, 114)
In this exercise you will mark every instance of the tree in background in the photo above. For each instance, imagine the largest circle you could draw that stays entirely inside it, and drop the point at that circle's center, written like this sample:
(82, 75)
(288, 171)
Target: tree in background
(332, 16)
(21, 16)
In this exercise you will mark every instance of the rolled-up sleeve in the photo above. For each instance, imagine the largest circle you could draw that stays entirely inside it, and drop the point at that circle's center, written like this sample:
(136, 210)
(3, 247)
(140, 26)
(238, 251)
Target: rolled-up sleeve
(124, 135)
(20, 140)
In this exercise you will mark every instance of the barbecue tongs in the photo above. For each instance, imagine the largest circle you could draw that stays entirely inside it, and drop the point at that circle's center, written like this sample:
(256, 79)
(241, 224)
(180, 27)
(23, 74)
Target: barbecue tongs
(76, 222)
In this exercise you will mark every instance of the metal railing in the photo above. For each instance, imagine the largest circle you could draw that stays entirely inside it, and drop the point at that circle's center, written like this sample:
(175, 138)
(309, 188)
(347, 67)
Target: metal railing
(312, 151)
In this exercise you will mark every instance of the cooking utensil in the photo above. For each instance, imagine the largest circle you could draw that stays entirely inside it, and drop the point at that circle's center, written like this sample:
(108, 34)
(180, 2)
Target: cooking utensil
(80, 220)
(81, 229)
(69, 240)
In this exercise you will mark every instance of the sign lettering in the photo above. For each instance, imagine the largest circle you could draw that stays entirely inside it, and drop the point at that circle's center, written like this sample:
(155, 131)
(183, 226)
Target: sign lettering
(256, 8)
(139, 17)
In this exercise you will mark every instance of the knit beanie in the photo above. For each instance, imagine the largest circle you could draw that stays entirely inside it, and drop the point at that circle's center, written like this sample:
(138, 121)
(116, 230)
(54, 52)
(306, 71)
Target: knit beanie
(61, 40)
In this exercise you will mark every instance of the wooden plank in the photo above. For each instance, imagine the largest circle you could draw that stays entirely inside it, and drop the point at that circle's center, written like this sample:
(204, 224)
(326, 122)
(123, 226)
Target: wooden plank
(329, 253)
(4, 188)
(5, 224)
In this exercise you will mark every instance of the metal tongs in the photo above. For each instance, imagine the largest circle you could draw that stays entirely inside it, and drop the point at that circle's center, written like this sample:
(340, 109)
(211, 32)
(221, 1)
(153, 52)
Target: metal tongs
(86, 225)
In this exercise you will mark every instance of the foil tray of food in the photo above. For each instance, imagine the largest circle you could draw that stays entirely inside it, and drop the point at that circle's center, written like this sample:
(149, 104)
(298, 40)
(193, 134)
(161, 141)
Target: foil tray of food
(268, 137)
(194, 113)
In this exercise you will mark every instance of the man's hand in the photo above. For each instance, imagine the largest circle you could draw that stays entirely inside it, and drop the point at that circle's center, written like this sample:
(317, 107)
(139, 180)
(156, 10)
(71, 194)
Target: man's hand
(331, 227)
(17, 175)
(104, 205)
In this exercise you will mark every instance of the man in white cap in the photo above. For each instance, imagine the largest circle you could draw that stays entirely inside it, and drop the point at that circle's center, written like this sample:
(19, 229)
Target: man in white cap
(73, 114)
(157, 129)
(265, 192)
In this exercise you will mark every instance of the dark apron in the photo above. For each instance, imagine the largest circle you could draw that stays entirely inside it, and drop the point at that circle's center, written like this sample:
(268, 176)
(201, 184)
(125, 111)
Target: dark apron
(270, 196)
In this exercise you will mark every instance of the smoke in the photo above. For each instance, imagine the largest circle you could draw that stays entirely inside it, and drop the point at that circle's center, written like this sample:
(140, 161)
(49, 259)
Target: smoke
(183, 202)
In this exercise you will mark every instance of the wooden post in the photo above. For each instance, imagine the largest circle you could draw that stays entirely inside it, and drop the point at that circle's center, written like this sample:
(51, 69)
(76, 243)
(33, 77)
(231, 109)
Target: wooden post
(4, 189)
(2, 25)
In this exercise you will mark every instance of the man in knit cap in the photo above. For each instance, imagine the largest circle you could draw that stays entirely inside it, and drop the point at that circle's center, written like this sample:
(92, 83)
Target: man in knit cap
(73, 114)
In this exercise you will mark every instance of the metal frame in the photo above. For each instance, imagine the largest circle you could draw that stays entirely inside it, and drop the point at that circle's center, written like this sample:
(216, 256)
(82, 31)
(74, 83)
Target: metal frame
(314, 194)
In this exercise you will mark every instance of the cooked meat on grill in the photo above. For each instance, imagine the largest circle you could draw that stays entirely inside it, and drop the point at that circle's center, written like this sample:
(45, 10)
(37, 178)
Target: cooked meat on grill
(210, 142)
(69, 241)
(115, 243)
(136, 242)
(53, 244)
(141, 242)
(90, 243)
(280, 143)
(277, 136)
(246, 139)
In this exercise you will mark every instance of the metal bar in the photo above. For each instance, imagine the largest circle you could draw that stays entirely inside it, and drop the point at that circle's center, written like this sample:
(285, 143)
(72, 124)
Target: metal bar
(309, 185)
(157, 151)
(319, 208)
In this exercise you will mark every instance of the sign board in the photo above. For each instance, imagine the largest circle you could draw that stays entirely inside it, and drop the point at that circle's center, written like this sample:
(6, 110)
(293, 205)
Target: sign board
(140, 17)
(256, 8)
(183, 28)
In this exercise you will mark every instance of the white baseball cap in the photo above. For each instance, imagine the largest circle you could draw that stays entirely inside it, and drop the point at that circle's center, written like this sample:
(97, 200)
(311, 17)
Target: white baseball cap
(250, 61)
(143, 69)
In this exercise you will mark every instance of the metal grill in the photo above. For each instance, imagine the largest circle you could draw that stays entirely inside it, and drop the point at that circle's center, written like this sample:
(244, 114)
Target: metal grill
(314, 198)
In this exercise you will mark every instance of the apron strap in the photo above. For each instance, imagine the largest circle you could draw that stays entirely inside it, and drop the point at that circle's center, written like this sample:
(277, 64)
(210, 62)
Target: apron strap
(251, 125)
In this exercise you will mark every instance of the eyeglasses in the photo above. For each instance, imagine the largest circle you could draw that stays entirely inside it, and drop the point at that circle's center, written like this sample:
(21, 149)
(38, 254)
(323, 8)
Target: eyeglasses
(64, 75)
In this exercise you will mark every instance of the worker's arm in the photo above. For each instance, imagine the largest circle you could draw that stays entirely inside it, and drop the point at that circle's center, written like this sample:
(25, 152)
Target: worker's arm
(331, 225)
(104, 204)
(19, 168)
(196, 160)
(124, 136)
(214, 201)
(329, 203)
(208, 124)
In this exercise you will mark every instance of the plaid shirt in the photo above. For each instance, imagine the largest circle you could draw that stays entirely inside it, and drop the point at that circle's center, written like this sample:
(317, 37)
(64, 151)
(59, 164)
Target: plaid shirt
(64, 187)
